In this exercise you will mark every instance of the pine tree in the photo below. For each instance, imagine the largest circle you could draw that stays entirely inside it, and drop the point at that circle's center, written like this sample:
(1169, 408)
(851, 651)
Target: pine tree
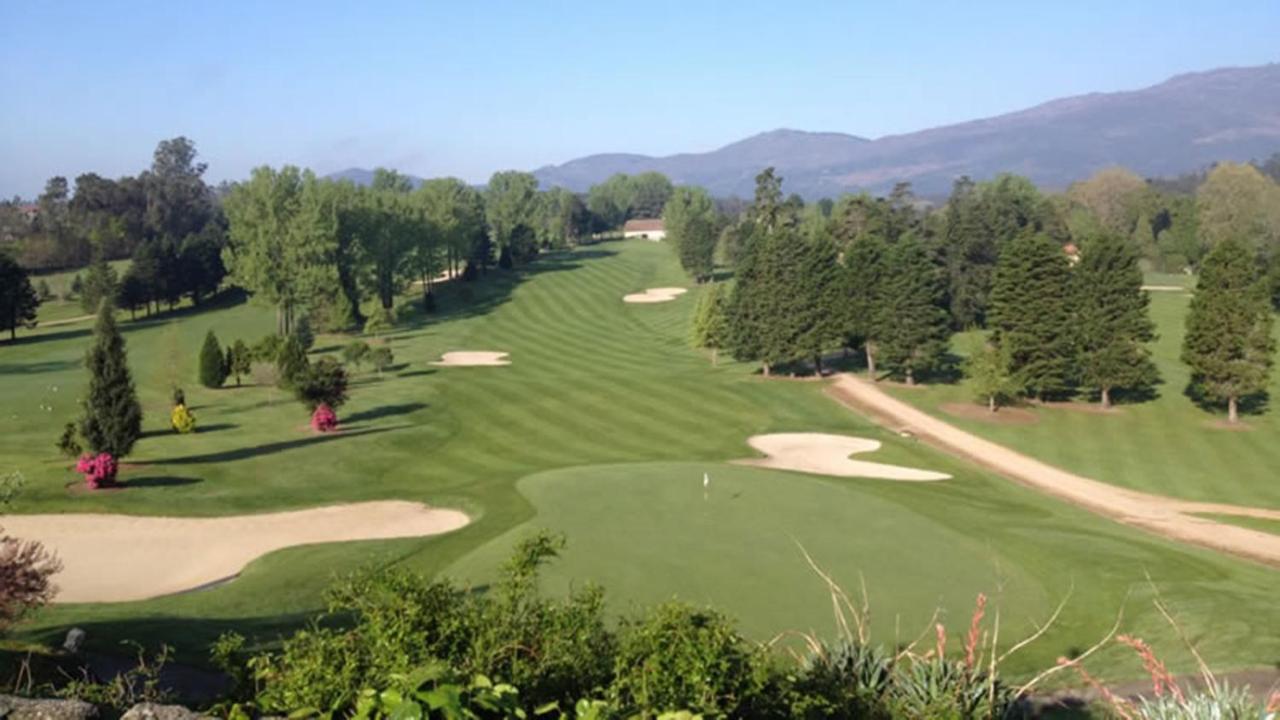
(1112, 323)
(710, 320)
(99, 285)
(213, 366)
(914, 328)
(113, 418)
(859, 310)
(1228, 342)
(1030, 315)
(18, 300)
(292, 362)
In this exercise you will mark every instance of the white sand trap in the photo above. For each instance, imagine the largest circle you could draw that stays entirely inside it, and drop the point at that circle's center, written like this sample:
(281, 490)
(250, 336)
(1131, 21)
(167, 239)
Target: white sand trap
(655, 295)
(115, 558)
(1164, 288)
(472, 359)
(823, 454)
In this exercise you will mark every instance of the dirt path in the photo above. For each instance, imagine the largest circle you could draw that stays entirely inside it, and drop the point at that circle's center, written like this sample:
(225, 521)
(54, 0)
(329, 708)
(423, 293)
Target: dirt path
(1165, 516)
(65, 321)
(113, 558)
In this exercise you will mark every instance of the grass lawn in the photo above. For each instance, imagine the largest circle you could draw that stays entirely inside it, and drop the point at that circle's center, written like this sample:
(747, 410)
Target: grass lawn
(601, 427)
(1168, 446)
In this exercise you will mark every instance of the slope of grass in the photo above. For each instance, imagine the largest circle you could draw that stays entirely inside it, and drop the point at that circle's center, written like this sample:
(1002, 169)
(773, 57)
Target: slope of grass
(597, 388)
(1168, 446)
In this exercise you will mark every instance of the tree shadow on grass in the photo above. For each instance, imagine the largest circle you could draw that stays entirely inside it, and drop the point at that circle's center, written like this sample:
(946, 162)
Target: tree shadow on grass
(1255, 404)
(417, 373)
(266, 448)
(37, 368)
(160, 481)
(200, 429)
(384, 411)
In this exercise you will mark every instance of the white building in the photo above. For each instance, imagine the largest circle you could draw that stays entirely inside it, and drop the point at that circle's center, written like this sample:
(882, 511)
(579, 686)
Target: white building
(645, 229)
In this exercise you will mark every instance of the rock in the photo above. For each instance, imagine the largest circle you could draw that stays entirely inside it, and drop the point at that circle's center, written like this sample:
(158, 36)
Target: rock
(74, 641)
(152, 711)
(16, 708)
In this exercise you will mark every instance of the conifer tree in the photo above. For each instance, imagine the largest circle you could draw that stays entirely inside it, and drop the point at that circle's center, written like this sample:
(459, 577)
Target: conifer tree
(914, 327)
(1112, 323)
(859, 310)
(99, 285)
(710, 320)
(1228, 342)
(292, 363)
(213, 366)
(18, 300)
(1030, 315)
(113, 418)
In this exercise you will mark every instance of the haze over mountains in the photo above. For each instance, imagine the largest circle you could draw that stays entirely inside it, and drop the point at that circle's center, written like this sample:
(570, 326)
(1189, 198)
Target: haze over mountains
(1179, 125)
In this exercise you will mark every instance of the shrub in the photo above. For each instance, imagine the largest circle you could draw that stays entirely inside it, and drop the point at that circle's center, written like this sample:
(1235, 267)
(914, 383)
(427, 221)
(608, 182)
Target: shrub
(179, 397)
(684, 658)
(182, 420)
(324, 419)
(213, 366)
(323, 383)
(848, 680)
(25, 567)
(267, 349)
(43, 291)
(356, 352)
(382, 320)
(381, 358)
(98, 470)
(69, 441)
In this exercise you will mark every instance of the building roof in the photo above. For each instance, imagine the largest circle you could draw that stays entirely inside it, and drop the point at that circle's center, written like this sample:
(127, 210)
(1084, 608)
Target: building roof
(643, 225)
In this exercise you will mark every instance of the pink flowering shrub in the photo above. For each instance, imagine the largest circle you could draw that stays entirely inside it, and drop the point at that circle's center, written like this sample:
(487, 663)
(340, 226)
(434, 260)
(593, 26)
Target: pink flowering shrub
(324, 419)
(98, 470)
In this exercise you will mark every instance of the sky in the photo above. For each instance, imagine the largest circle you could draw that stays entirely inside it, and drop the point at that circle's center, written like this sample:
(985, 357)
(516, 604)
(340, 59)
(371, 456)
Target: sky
(469, 88)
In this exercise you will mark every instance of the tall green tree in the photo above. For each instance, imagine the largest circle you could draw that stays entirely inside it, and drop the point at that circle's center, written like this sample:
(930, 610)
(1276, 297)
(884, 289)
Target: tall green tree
(914, 327)
(99, 284)
(1112, 322)
(213, 366)
(690, 222)
(1228, 344)
(711, 320)
(18, 299)
(112, 420)
(1237, 201)
(282, 238)
(865, 273)
(1030, 315)
(510, 204)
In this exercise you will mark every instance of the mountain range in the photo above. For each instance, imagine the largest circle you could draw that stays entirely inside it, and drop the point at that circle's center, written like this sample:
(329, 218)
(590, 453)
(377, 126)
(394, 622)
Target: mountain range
(1180, 125)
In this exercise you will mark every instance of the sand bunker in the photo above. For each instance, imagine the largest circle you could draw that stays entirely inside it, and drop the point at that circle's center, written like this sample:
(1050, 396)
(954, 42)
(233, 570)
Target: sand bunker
(472, 359)
(655, 295)
(113, 558)
(823, 454)
(1164, 288)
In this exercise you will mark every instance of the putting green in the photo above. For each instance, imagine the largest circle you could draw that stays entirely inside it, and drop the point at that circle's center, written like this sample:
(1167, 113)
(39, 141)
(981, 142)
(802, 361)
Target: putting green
(648, 532)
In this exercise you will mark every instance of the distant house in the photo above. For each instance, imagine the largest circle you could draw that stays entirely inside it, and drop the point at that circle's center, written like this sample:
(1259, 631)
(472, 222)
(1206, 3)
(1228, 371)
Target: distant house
(1072, 252)
(645, 228)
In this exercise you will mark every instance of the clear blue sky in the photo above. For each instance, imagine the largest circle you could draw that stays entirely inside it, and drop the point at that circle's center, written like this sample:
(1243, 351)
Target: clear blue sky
(467, 88)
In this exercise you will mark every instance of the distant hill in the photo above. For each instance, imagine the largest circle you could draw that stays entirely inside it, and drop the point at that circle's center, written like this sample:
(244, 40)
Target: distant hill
(361, 176)
(1180, 125)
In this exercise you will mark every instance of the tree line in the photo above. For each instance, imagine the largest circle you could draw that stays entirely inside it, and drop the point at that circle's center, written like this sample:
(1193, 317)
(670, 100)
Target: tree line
(1060, 294)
